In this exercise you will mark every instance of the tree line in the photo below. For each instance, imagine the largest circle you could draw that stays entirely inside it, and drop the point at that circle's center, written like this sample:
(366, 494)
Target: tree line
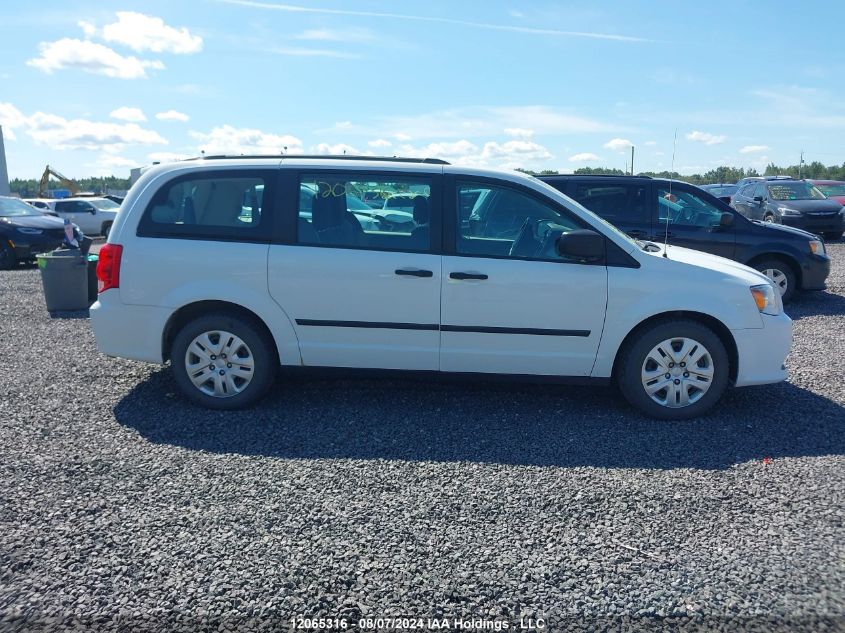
(28, 187)
(814, 170)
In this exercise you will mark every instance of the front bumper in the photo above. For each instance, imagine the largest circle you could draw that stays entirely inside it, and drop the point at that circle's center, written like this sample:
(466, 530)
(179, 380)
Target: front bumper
(832, 223)
(762, 351)
(814, 272)
(26, 250)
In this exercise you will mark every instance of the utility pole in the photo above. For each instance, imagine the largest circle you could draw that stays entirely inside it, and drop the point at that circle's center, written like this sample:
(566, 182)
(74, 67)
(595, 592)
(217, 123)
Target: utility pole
(4, 173)
(632, 160)
(800, 164)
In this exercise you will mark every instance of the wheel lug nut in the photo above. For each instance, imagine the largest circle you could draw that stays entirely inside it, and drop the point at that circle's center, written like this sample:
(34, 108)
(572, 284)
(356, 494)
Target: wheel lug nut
(686, 374)
(223, 355)
(211, 367)
(213, 357)
(222, 372)
(670, 364)
(229, 365)
(682, 364)
(677, 382)
(668, 375)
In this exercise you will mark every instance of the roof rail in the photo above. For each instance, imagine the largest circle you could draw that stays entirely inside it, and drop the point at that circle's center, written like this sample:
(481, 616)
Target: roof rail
(386, 159)
(592, 176)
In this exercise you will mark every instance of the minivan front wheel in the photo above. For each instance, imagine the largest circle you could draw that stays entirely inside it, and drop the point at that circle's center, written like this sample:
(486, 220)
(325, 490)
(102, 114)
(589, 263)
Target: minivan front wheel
(674, 370)
(781, 275)
(222, 361)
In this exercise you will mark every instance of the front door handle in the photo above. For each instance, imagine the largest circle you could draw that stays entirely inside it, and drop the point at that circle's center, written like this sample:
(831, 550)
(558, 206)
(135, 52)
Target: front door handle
(415, 272)
(467, 276)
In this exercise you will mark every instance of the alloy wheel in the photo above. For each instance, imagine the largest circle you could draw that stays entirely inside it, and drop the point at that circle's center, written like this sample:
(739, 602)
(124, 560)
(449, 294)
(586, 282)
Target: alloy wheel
(779, 279)
(677, 372)
(219, 363)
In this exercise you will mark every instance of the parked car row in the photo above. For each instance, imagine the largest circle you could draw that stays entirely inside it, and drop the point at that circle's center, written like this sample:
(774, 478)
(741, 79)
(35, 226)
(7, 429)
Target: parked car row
(658, 210)
(25, 231)
(233, 267)
(94, 215)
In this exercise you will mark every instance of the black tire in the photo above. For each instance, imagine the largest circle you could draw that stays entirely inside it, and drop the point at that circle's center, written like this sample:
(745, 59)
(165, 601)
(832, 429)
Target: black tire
(834, 236)
(634, 356)
(769, 217)
(259, 343)
(776, 264)
(105, 229)
(7, 258)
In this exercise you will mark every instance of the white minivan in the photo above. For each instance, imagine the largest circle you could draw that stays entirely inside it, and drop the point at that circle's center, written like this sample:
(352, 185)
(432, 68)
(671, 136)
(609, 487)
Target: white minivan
(220, 266)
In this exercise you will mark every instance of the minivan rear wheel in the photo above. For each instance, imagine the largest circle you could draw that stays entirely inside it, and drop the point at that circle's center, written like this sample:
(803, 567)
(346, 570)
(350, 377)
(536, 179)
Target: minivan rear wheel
(674, 370)
(222, 361)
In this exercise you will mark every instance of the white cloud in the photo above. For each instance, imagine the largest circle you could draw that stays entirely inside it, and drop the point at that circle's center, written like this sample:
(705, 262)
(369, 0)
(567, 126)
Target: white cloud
(142, 32)
(519, 132)
(401, 136)
(343, 125)
(338, 149)
(172, 115)
(618, 144)
(293, 51)
(89, 29)
(117, 161)
(379, 142)
(441, 20)
(227, 139)
(166, 157)
(11, 118)
(90, 57)
(753, 149)
(706, 137)
(61, 133)
(339, 35)
(583, 157)
(508, 155)
(485, 121)
(134, 115)
(650, 143)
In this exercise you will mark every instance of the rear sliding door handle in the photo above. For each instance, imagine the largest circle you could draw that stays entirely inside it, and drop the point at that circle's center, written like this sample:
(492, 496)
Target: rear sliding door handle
(414, 272)
(467, 276)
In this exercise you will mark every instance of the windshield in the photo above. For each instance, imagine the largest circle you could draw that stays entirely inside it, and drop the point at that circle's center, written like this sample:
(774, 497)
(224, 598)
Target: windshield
(727, 190)
(104, 204)
(794, 191)
(832, 190)
(10, 207)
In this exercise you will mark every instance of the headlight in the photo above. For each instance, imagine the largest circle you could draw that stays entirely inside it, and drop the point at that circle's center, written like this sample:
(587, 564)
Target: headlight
(788, 211)
(817, 247)
(26, 230)
(767, 299)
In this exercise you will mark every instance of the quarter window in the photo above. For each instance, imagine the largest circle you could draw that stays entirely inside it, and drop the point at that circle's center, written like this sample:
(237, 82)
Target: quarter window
(351, 210)
(229, 206)
(616, 203)
(502, 221)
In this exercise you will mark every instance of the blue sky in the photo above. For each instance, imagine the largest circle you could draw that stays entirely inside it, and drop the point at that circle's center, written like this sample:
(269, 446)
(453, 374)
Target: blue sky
(94, 88)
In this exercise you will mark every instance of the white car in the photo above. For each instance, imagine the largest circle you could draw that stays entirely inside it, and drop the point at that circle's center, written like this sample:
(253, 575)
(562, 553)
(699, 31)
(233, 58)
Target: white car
(540, 287)
(94, 216)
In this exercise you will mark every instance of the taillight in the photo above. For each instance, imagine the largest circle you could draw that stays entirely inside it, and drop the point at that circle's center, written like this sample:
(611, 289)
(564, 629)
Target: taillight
(108, 268)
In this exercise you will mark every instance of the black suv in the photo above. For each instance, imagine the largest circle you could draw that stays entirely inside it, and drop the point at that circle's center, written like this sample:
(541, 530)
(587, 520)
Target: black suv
(639, 205)
(792, 202)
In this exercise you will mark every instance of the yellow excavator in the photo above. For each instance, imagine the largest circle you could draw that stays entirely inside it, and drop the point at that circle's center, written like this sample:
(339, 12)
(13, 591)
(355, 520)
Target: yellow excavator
(66, 182)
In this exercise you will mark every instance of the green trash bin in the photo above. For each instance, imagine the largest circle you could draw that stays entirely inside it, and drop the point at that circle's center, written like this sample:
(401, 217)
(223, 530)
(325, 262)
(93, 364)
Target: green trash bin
(64, 276)
(92, 277)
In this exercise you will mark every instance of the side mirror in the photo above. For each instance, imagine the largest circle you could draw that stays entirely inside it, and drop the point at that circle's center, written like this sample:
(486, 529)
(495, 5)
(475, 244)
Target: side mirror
(726, 220)
(92, 210)
(583, 244)
(758, 198)
(726, 199)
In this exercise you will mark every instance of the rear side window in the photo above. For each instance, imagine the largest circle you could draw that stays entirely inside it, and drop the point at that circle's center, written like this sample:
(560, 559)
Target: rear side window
(355, 210)
(616, 203)
(228, 205)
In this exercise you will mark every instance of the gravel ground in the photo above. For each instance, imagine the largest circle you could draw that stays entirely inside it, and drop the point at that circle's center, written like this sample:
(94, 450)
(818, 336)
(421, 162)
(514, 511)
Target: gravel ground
(125, 508)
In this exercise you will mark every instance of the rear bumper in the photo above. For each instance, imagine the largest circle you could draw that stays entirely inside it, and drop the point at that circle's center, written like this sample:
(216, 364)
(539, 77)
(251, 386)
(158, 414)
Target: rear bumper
(133, 332)
(762, 352)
